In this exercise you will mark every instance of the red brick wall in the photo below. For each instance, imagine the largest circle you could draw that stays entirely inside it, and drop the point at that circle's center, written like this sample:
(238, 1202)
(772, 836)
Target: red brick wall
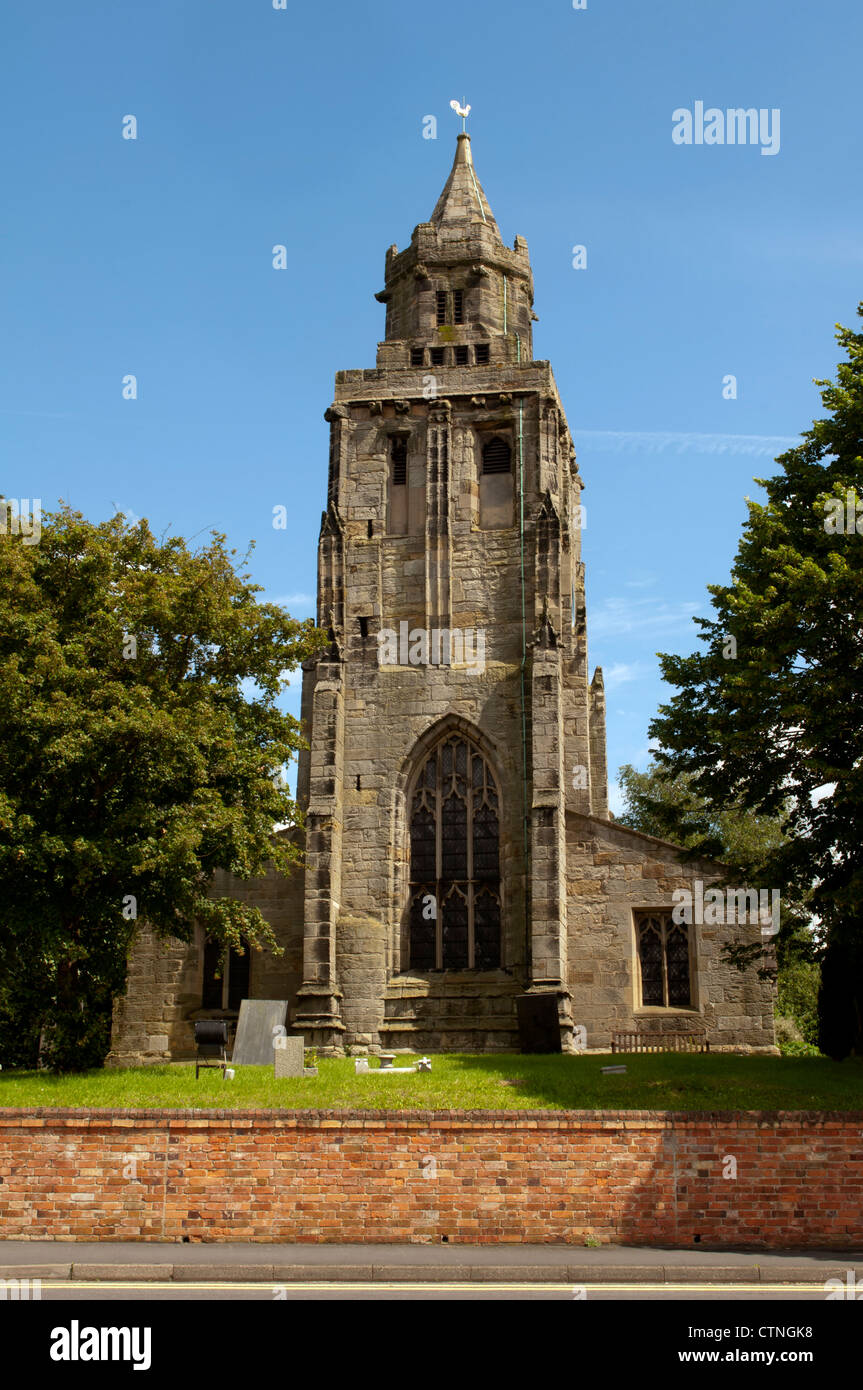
(637, 1177)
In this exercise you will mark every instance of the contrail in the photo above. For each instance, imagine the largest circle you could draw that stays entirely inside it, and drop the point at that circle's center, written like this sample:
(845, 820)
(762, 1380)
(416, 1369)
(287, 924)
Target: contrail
(660, 441)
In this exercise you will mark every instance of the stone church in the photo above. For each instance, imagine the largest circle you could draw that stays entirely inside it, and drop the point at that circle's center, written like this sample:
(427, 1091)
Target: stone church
(459, 854)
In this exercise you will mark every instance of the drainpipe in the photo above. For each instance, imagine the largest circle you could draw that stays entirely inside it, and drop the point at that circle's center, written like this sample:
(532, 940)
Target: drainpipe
(527, 942)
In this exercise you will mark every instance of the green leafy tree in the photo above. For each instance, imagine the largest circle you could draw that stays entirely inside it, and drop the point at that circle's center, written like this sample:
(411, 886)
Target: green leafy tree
(670, 808)
(768, 716)
(142, 741)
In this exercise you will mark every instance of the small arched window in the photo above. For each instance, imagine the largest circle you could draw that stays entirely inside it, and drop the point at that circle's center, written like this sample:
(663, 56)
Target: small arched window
(496, 492)
(455, 898)
(497, 456)
(397, 501)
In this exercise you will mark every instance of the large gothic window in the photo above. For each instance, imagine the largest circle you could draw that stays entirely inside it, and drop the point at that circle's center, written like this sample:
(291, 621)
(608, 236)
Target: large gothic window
(455, 917)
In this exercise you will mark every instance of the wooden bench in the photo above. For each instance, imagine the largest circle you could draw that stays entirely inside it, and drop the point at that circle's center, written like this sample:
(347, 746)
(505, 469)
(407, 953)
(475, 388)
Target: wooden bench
(659, 1042)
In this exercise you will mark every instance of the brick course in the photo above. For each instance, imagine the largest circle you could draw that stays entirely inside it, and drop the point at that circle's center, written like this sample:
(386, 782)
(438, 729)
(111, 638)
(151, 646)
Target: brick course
(635, 1177)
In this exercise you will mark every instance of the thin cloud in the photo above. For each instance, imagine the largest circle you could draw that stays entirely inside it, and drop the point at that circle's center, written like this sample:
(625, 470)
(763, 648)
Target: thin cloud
(616, 617)
(665, 441)
(622, 672)
(292, 601)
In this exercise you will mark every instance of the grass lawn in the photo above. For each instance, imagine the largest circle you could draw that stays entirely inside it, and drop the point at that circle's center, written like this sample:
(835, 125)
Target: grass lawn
(663, 1081)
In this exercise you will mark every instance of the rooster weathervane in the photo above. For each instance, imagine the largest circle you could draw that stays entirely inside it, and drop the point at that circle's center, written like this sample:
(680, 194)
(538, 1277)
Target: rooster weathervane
(463, 111)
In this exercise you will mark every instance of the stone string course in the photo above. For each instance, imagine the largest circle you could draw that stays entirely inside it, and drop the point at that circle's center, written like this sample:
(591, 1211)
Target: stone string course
(635, 1177)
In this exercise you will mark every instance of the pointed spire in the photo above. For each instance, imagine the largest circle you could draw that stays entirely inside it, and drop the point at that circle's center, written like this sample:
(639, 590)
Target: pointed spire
(462, 200)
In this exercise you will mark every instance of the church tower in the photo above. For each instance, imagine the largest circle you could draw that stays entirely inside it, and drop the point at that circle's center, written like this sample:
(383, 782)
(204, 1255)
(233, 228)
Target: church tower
(452, 719)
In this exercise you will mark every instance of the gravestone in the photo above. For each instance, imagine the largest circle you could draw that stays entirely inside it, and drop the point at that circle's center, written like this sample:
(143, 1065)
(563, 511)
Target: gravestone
(288, 1055)
(253, 1045)
(538, 1023)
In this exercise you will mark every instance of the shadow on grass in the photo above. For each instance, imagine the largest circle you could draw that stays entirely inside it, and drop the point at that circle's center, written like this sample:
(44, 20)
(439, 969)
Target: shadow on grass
(671, 1081)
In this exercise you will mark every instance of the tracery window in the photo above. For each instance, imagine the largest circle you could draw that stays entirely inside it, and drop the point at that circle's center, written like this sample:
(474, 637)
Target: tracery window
(663, 953)
(455, 902)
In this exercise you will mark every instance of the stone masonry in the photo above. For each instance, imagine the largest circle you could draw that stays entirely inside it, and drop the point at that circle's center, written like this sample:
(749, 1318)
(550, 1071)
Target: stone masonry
(453, 506)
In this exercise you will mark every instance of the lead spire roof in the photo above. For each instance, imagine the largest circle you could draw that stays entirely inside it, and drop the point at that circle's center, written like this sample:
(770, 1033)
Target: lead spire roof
(462, 200)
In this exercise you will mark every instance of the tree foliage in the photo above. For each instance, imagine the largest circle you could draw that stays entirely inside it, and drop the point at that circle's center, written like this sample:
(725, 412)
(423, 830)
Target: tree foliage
(768, 715)
(670, 808)
(138, 713)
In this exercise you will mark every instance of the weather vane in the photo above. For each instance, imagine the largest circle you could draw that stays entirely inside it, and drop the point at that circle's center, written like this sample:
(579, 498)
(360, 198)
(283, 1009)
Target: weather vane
(463, 111)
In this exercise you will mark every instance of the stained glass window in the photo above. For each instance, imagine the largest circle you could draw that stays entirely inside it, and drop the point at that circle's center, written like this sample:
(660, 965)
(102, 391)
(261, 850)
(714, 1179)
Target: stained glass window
(663, 952)
(455, 906)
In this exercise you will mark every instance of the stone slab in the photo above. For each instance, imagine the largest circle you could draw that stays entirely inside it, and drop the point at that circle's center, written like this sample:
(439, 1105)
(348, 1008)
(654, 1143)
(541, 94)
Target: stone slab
(215, 1273)
(117, 1272)
(321, 1273)
(287, 1053)
(253, 1045)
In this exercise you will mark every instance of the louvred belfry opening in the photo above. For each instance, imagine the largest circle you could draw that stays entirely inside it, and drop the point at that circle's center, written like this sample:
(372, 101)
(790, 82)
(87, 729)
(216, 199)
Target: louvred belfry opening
(455, 900)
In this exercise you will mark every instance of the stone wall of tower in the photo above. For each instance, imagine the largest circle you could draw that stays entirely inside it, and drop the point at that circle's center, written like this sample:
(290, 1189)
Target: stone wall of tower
(495, 281)
(447, 572)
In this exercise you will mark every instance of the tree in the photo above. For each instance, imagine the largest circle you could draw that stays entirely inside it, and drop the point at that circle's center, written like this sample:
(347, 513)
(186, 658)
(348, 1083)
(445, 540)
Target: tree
(138, 714)
(670, 808)
(768, 716)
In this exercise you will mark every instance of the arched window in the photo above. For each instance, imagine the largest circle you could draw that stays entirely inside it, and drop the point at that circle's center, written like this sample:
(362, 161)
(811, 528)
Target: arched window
(225, 978)
(496, 456)
(455, 916)
(496, 485)
(663, 952)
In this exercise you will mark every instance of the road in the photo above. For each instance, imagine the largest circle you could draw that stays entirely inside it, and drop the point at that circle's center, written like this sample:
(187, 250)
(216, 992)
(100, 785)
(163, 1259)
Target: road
(336, 1292)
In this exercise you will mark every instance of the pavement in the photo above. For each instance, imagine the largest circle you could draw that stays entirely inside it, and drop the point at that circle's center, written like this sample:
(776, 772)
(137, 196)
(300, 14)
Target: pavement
(49, 1260)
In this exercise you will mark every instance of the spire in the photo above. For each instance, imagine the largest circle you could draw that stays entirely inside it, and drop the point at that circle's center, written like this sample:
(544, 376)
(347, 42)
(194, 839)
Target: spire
(462, 200)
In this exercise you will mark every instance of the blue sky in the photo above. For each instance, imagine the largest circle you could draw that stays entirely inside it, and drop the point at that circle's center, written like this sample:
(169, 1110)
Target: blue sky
(304, 126)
